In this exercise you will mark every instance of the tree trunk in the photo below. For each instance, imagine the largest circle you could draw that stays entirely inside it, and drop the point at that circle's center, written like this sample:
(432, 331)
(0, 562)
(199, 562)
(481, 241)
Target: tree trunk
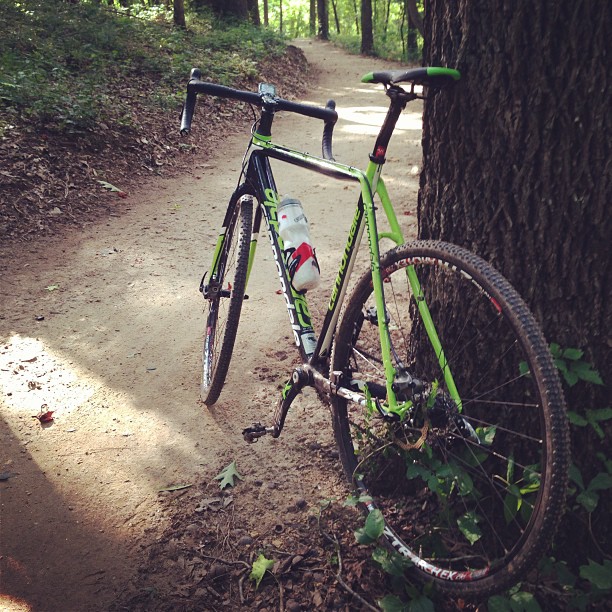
(178, 14)
(356, 16)
(336, 20)
(323, 16)
(253, 8)
(313, 17)
(233, 8)
(517, 169)
(367, 37)
(415, 16)
(266, 13)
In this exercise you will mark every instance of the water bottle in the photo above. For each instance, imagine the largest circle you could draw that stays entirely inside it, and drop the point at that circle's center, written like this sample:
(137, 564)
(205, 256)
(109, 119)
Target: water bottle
(299, 254)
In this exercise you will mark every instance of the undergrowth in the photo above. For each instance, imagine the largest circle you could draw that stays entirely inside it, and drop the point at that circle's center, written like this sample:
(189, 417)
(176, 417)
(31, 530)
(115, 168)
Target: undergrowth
(64, 66)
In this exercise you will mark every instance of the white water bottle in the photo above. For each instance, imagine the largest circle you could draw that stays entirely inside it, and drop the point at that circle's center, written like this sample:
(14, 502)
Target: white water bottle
(300, 257)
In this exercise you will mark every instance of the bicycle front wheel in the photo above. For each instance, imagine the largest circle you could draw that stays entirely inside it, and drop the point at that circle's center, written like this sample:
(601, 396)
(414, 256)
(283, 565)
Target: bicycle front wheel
(225, 295)
(470, 480)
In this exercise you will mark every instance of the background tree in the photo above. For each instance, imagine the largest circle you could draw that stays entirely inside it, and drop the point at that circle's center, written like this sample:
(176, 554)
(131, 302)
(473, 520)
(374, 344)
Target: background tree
(233, 8)
(367, 35)
(517, 168)
(179, 13)
(253, 8)
(323, 17)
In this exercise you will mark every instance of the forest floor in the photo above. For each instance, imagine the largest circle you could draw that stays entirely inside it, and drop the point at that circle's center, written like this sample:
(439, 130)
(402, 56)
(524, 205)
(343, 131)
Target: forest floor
(101, 323)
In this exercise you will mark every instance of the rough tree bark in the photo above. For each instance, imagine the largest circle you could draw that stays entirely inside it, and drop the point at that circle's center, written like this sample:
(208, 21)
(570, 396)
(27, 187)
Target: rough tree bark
(367, 37)
(323, 16)
(517, 168)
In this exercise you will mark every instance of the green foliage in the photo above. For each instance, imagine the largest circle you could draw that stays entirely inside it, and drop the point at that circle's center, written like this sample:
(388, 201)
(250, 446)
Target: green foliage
(572, 367)
(64, 65)
(515, 601)
(260, 566)
(373, 528)
(228, 475)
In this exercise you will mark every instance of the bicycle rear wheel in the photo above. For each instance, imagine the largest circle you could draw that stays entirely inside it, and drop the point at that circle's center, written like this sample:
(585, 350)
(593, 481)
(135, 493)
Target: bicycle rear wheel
(225, 293)
(471, 490)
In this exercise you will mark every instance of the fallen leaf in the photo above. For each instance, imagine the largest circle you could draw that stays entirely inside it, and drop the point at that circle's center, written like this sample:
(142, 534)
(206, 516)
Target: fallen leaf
(260, 567)
(227, 475)
(45, 415)
(52, 287)
(177, 487)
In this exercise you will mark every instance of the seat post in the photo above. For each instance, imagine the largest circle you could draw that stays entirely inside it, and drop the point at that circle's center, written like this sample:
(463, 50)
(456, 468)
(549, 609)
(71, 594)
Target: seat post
(399, 98)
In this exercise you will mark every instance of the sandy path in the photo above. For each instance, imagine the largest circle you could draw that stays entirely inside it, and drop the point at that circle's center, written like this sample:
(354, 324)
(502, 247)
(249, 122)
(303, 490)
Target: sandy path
(117, 358)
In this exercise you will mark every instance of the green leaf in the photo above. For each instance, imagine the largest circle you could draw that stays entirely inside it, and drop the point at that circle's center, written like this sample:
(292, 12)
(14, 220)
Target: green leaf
(588, 500)
(486, 435)
(391, 562)
(499, 603)
(601, 482)
(576, 419)
(52, 287)
(555, 349)
(524, 602)
(512, 503)
(601, 414)
(373, 528)
(598, 575)
(572, 354)
(585, 372)
(468, 525)
(260, 567)
(391, 603)
(227, 476)
(575, 475)
(421, 604)
(570, 378)
(523, 368)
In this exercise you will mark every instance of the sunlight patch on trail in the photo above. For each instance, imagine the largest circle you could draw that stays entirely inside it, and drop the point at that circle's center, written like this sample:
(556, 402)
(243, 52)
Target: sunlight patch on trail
(32, 375)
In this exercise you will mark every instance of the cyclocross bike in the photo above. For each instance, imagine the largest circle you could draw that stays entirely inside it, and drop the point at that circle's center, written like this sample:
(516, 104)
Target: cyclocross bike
(446, 405)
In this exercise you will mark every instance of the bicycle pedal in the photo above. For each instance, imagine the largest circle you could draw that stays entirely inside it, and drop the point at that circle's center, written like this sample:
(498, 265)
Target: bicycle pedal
(252, 434)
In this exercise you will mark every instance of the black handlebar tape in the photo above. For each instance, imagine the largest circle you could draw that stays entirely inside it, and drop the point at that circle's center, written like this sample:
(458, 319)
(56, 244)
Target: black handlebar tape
(189, 106)
(328, 132)
(187, 113)
(212, 89)
(317, 112)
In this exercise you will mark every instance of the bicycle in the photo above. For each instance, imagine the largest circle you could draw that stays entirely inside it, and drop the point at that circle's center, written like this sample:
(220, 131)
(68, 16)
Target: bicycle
(446, 405)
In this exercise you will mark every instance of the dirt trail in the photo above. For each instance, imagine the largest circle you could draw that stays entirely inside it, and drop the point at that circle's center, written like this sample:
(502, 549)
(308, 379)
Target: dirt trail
(115, 355)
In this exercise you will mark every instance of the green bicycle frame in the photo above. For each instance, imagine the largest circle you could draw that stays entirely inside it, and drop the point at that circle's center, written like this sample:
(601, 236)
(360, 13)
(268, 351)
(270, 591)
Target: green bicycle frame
(259, 182)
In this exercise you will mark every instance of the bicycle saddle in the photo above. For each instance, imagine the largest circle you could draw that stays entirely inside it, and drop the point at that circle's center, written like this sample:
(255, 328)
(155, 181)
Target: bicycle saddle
(431, 76)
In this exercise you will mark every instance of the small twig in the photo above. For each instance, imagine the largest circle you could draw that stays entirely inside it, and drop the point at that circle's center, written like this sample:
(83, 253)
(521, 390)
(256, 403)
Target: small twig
(240, 582)
(333, 540)
(220, 560)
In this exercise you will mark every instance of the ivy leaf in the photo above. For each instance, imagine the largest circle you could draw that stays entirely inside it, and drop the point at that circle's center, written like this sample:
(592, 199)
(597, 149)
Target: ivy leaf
(260, 567)
(601, 482)
(598, 575)
(588, 500)
(573, 354)
(373, 528)
(227, 475)
(421, 604)
(468, 525)
(391, 562)
(525, 602)
(499, 603)
(391, 603)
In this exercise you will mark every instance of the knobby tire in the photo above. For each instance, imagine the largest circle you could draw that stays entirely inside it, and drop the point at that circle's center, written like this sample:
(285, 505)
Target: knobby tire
(473, 511)
(224, 309)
